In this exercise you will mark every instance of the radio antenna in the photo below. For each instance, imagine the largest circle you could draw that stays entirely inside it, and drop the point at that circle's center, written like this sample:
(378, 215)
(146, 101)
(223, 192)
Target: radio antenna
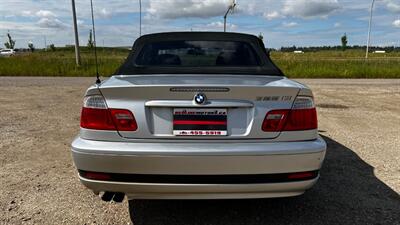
(98, 81)
(140, 18)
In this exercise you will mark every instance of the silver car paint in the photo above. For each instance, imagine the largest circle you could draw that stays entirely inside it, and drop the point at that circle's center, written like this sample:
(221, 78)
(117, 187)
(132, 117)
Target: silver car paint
(203, 191)
(152, 149)
(144, 95)
(199, 158)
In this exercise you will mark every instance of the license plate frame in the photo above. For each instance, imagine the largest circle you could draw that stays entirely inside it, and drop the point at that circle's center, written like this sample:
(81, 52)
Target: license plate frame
(200, 121)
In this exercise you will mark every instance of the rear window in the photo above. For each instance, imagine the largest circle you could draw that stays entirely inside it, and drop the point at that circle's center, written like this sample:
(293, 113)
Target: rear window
(182, 53)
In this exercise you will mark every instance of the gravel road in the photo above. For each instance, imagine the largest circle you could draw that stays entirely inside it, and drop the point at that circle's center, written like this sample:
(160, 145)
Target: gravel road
(360, 120)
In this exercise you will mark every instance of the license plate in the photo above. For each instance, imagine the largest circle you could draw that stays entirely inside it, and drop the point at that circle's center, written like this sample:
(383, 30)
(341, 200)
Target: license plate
(200, 122)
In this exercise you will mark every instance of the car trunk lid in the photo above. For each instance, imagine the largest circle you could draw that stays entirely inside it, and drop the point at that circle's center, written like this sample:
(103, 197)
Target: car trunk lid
(155, 101)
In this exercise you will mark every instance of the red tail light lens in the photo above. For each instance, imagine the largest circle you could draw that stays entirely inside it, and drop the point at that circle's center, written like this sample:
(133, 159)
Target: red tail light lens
(301, 119)
(95, 115)
(275, 120)
(124, 119)
(302, 116)
(96, 119)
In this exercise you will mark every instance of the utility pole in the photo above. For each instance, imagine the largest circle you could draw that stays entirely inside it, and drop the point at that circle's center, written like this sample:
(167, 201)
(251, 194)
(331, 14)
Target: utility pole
(77, 53)
(230, 9)
(369, 28)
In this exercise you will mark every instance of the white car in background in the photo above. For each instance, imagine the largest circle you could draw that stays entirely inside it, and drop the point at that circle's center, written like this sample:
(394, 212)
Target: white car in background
(7, 52)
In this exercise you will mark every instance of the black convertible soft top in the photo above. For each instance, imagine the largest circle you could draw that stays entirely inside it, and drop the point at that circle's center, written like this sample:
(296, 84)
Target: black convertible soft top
(264, 67)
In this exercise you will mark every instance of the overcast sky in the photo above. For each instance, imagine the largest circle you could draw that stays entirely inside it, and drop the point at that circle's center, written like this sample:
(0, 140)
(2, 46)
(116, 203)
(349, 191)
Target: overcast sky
(283, 23)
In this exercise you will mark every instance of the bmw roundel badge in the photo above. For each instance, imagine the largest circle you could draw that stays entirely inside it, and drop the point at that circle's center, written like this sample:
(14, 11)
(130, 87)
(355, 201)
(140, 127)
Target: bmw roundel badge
(200, 98)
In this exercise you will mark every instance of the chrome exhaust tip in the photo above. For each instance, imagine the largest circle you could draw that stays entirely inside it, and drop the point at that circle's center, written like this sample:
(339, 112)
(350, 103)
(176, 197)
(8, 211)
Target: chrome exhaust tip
(107, 196)
(119, 197)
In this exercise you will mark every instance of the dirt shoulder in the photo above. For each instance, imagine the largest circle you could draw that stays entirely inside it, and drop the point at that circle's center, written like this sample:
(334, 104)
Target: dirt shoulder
(360, 119)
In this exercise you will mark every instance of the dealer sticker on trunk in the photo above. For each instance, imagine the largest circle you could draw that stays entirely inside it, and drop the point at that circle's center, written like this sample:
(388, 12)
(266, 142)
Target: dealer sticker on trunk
(199, 122)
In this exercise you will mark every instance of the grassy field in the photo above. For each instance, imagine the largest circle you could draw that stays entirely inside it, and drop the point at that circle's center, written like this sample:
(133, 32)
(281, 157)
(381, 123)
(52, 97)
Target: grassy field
(322, 64)
(62, 63)
(338, 64)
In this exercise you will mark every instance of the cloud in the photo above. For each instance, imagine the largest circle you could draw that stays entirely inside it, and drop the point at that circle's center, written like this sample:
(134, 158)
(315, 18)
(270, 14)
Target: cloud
(396, 23)
(393, 6)
(81, 24)
(336, 25)
(18, 26)
(173, 9)
(120, 19)
(289, 24)
(220, 25)
(40, 13)
(104, 13)
(47, 19)
(310, 8)
(45, 14)
(51, 23)
(272, 15)
(26, 13)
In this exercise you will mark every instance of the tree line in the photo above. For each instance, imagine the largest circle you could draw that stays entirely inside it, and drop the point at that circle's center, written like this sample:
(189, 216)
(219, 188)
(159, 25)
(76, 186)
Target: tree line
(342, 47)
(336, 48)
(10, 44)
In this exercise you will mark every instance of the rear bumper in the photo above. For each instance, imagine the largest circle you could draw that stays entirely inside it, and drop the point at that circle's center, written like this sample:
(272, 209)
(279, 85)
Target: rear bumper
(201, 191)
(241, 158)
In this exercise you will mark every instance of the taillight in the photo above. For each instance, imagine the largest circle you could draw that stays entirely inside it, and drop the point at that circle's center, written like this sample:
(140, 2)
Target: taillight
(96, 119)
(275, 120)
(301, 119)
(124, 119)
(95, 115)
(302, 116)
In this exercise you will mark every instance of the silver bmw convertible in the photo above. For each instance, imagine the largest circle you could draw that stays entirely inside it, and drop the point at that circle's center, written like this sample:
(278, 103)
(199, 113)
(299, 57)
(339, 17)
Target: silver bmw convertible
(198, 115)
